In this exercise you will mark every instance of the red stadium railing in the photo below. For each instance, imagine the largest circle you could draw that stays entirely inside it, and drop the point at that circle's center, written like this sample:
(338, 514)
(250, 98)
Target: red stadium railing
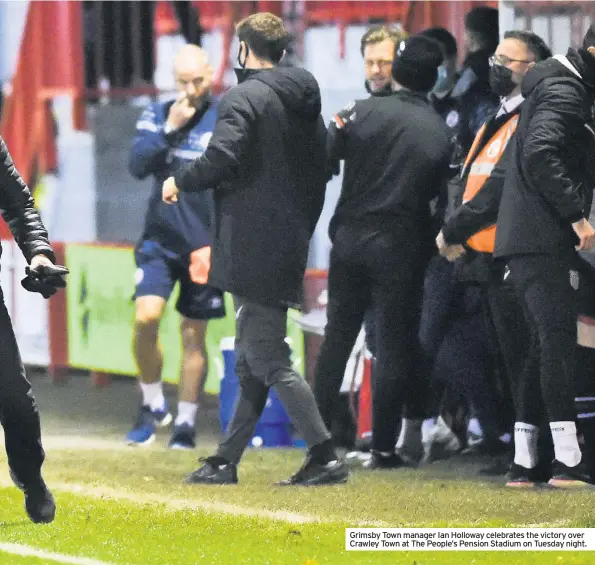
(41, 74)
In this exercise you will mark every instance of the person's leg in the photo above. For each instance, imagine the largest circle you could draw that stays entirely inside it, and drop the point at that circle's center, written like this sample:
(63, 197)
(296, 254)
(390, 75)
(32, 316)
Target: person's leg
(417, 382)
(19, 417)
(547, 286)
(221, 468)
(440, 298)
(348, 294)
(439, 290)
(197, 304)
(510, 342)
(268, 360)
(155, 280)
(511, 331)
(401, 376)
(264, 362)
(252, 394)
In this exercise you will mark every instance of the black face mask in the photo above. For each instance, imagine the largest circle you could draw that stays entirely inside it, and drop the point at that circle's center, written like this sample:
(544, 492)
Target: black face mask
(242, 72)
(501, 81)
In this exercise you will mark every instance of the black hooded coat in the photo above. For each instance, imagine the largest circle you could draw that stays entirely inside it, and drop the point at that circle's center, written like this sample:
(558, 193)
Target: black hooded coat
(267, 163)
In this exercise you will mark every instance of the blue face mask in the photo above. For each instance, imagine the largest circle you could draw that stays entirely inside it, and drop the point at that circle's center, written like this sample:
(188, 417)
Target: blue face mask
(442, 78)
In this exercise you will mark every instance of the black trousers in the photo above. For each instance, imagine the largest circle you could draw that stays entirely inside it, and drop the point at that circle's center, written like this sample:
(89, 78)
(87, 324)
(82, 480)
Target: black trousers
(18, 412)
(511, 335)
(263, 361)
(373, 269)
(544, 287)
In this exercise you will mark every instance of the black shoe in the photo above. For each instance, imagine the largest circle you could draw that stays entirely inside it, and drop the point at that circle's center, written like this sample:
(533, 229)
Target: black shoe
(312, 474)
(379, 461)
(569, 477)
(521, 477)
(183, 437)
(213, 472)
(39, 502)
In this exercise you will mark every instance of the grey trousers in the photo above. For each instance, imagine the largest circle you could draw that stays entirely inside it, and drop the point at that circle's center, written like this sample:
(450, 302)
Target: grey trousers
(263, 361)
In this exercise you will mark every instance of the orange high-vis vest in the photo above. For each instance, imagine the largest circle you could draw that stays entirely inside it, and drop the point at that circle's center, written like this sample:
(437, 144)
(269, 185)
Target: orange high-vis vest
(480, 170)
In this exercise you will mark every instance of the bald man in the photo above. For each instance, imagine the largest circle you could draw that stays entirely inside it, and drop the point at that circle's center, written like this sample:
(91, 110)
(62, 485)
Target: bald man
(174, 247)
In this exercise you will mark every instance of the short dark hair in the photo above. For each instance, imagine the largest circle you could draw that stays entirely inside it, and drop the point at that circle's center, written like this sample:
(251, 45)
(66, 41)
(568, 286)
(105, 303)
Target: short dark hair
(533, 42)
(265, 34)
(379, 33)
(445, 38)
(481, 23)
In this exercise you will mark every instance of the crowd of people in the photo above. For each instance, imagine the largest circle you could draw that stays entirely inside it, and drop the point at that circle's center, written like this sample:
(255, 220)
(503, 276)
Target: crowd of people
(457, 243)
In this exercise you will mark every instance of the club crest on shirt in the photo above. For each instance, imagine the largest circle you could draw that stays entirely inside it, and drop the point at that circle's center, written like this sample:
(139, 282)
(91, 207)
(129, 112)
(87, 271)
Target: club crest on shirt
(452, 119)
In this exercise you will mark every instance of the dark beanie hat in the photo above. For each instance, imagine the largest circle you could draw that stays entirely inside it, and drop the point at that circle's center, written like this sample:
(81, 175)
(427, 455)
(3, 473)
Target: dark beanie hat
(416, 63)
(589, 40)
(483, 21)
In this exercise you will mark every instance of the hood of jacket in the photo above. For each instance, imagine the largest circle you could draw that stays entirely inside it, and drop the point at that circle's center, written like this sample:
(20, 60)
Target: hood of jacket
(297, 89)
(575, 64)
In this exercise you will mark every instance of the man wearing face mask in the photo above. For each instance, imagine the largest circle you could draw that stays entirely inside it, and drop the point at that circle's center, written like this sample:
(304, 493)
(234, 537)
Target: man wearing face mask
(542, 222)
(440, 97)
(267, 163)
(475, 99)
(378, 50)
(472, 224)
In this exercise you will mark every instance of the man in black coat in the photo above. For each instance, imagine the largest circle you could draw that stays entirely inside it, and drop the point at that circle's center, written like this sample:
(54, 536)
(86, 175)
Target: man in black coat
(18, 411)
(542, 223)
(397, 153)
(267, 163)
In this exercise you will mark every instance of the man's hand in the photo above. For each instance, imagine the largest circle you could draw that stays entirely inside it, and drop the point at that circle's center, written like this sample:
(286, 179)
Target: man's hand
(180, 113)
(170, 191)
(585, 233)
(44, 277)
(39, 261)
(449, 252)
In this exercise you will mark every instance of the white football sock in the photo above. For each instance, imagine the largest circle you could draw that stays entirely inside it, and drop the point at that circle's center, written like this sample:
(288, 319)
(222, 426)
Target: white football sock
(426, 429)
(186, 413)
(410, 435)
(566, 446)
(525, 444)
(153, 396)
(474, 427)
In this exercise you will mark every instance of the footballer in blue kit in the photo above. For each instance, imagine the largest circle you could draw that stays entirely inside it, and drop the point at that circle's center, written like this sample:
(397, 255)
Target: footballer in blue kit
(174, 248)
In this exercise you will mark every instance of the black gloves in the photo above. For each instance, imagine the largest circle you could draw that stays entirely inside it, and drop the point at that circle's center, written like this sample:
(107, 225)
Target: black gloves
(45, 279)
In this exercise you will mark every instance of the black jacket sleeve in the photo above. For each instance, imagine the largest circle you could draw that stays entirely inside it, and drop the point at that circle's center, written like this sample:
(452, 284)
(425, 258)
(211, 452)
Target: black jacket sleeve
(558, 116)
(482, 210)
(18, 210)
(336, 146)
(232, 136)
(316, 202)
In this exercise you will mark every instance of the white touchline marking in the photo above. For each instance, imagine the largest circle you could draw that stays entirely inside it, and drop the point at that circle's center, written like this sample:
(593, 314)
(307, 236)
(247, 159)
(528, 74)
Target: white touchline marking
(27, 551)
(106, 493)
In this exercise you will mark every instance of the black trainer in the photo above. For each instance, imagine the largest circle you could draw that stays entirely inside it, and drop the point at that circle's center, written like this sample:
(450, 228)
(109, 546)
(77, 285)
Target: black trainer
(520, 477)
(39, 502)
(312, 474)
(564, 476)
(214, 472)
(380, 461)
